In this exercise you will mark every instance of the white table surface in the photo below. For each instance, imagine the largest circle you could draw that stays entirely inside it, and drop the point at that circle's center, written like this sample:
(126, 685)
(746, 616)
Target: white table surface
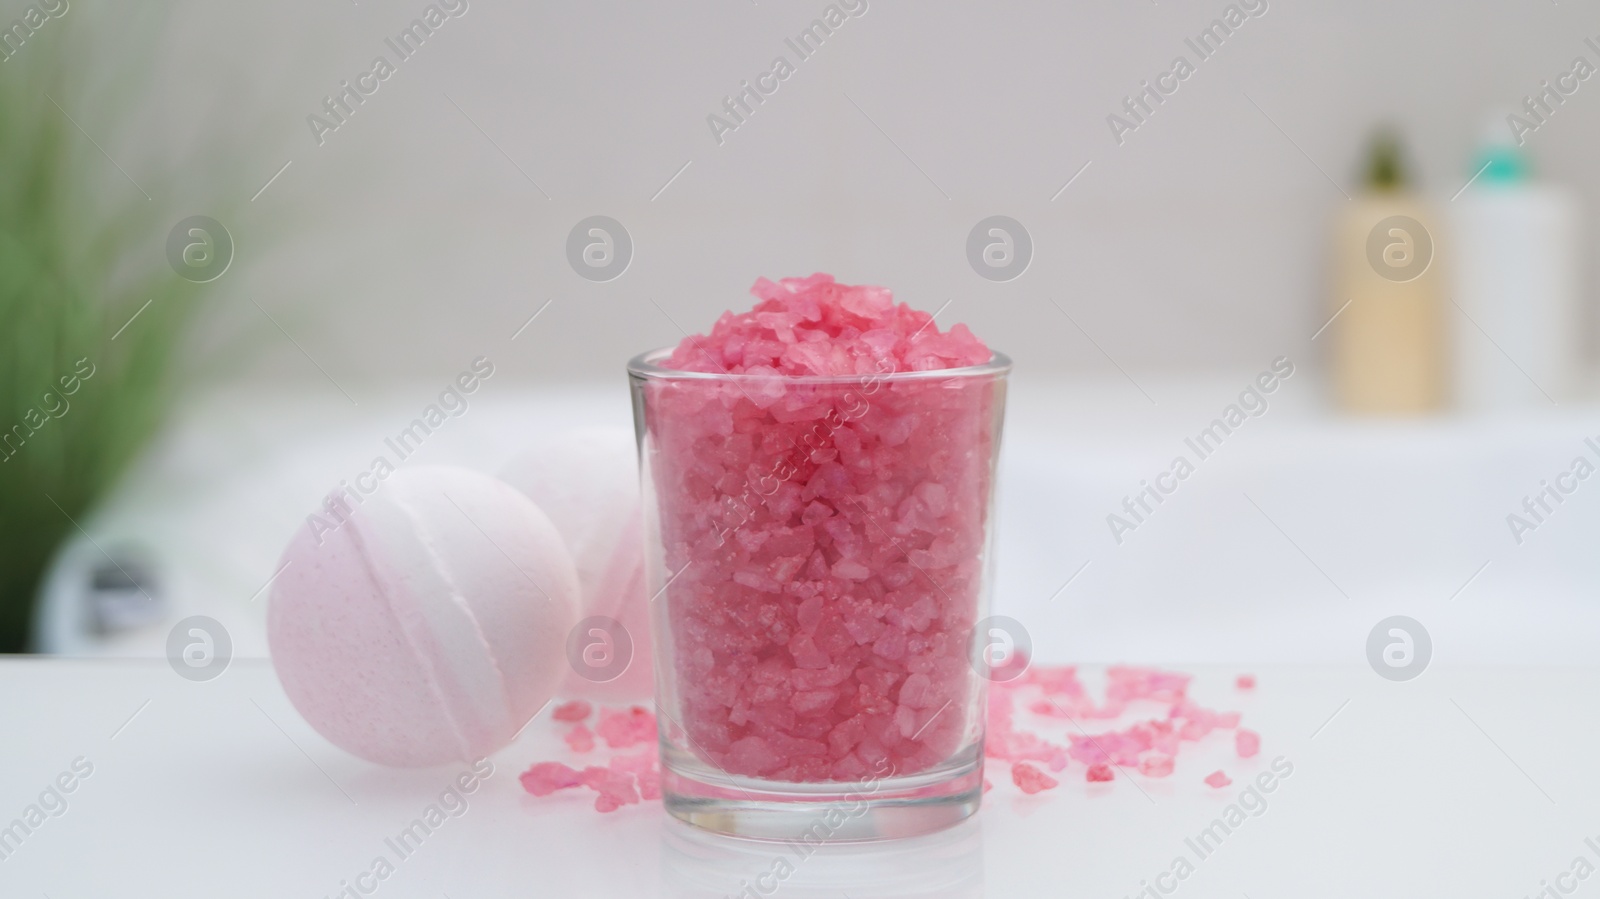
(1464, 782)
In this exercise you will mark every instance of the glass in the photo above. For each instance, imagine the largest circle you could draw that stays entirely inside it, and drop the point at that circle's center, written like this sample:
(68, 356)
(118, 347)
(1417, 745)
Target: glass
(819, 553)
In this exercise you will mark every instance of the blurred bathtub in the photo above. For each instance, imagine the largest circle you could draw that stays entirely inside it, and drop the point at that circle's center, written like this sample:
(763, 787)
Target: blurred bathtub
(1285, 544)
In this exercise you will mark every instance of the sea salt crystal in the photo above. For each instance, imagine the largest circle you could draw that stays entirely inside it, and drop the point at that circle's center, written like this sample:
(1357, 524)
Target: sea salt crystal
(646, 770)
(580, 739)
(1149, 746)
(826, 328)
(547, 777)
(829, 534)
(1156, 765)
(1246, 682)
(1030, 779)
(1004, 742)
(1199, 721)
(627, 728)
(615, 788)
(575, 710)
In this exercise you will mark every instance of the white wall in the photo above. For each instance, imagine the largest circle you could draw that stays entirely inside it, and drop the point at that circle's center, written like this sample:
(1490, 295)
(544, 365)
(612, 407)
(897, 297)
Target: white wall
(409, 242)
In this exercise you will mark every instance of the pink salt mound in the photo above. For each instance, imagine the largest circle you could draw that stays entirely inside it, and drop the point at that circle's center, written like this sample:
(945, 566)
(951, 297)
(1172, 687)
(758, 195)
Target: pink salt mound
(576, 710)
(1030, 779)
(1099, 773)
(827, 535)
(1218, 779)
(816, 326)
(1246, 682)
(1247, 742)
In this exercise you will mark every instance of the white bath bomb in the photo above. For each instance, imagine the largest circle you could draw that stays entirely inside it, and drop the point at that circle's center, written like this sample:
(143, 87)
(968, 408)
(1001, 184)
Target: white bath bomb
(587, 481)
(430, 624)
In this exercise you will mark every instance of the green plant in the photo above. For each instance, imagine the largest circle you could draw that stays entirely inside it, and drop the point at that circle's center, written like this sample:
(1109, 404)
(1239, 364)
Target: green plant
(75, 268)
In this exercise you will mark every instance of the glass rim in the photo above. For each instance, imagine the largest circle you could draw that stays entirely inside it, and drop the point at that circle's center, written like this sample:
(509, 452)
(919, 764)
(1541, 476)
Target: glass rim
(647, 365)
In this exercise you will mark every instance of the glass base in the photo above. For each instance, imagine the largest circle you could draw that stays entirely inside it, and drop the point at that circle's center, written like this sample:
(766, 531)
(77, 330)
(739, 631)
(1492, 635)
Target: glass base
(883, 808)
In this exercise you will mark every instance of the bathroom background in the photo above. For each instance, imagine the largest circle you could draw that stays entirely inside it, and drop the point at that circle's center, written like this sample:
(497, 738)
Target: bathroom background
(1161, 262)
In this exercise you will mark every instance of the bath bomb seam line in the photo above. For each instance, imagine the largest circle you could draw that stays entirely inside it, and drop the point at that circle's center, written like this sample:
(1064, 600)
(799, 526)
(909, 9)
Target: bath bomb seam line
(458, 599)
(409, 631)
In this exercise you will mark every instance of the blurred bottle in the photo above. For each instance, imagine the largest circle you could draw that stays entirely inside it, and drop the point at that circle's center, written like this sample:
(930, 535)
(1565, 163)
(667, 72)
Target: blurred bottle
(1514, 266)
(1389, 355)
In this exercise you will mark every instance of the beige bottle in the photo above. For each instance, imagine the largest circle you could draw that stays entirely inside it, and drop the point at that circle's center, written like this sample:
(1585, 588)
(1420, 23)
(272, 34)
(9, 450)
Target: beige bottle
(1390, 344)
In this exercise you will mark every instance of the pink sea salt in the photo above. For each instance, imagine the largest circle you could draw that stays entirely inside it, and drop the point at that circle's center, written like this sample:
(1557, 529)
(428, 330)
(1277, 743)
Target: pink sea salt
(646, 770)
(1030, 779)
(1149, 746)
(1124, 747)
(575, 710)
(826, 536)
(1003, 741)
(1156, 765)
(817, 326)
(1246, 682)
(626, 728)
(580, 739)
(626, 779)
(1198, 721)
(615, 788)
(545, 778)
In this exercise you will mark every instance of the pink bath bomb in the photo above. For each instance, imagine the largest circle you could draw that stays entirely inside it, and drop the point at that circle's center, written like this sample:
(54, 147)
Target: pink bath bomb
(426, 624)
(587, 481)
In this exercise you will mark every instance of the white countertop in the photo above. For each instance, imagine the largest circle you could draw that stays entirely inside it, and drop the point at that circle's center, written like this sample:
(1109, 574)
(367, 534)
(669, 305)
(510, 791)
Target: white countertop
(1463, 782)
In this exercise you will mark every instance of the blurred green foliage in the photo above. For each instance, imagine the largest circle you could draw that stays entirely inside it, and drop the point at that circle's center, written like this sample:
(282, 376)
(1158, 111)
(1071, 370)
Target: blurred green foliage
(77, 261)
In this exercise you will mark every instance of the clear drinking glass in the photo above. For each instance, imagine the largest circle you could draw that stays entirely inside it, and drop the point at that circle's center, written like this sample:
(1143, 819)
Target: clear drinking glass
(819, 552)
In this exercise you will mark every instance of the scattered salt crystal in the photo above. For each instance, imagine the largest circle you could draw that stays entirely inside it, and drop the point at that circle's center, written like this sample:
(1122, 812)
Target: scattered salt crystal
(627, 728)
(646, 770)
(580, 739)
(813, 694)
(1030, 779)
(576, 710)
(616, 788)
(547, 777)
(1246, 682)
(1156, 765)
